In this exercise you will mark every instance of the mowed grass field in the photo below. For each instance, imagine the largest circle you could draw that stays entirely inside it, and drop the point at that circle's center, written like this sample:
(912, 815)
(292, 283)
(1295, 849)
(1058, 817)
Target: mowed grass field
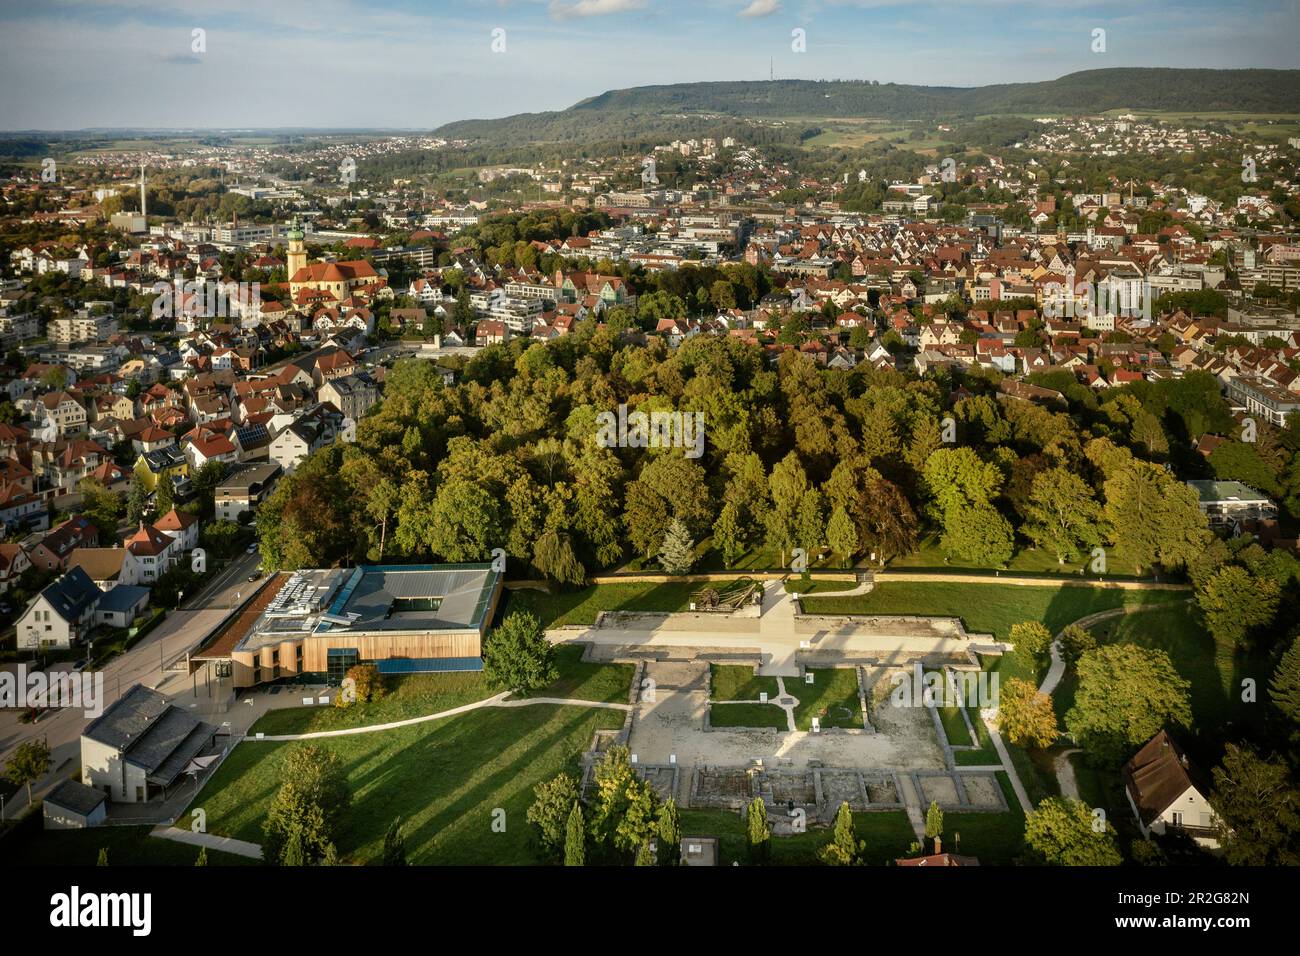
(1212, 669)
(832, 697)
(443, 778)
(989, 608)
(582, 606)
(739, 682)
(747, 715)
(931, 556)
(418, 695)
(412, 695)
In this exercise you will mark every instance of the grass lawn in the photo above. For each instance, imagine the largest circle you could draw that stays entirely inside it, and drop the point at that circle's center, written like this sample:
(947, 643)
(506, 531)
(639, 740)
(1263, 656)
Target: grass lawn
(739, 682)
(832, 697)
(996, 838)
(410, 695)
(1028, 560)
(1034, 768)
(1214, 671)
(1093, 789)
(887, 832)
(798, 585)
(958, 735)
(443, 778)
(989, 608)
(584, 680)
(29, 845)
(748, 715)
(581, 606)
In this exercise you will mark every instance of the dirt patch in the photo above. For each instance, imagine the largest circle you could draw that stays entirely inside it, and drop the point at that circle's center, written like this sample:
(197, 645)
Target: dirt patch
(943, 789)
(983, 791)
(883, 790)
(841, 786)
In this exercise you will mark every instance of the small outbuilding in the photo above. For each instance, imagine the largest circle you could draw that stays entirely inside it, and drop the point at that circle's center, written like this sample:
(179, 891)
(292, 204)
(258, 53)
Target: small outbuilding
(74, 806)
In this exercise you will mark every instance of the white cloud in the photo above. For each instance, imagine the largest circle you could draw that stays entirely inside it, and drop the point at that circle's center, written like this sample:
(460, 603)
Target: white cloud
(592, 8)
(761, 8)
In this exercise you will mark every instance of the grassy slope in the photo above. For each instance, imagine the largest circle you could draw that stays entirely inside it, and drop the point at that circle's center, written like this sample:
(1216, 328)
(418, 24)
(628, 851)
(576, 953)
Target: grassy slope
(418, 695)
(29, 845)
(443, 778)
(1213, 670)
(581, 680)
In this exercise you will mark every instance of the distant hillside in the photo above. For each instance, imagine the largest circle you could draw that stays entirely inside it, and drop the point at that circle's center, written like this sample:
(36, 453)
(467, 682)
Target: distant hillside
(618, 113)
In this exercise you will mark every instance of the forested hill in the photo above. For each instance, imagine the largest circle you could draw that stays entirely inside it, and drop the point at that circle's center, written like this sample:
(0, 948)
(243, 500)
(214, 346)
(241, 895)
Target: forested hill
(1090, 91)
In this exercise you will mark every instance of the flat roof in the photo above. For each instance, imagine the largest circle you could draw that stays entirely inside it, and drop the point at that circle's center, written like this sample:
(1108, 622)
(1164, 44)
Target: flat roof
(364, 600)
(1211, 491)
(412, 597)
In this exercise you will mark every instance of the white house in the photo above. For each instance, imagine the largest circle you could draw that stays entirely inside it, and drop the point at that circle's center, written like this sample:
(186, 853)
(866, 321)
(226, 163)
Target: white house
(182, 527)
(157, 552)
(62, 614)
(1166, 791)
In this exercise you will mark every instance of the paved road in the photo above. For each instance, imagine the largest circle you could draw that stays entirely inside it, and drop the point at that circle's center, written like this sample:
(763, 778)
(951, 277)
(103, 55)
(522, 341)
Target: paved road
(143, 664)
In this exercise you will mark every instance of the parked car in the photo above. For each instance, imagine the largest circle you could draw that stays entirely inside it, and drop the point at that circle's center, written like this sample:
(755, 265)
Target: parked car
(252, 549)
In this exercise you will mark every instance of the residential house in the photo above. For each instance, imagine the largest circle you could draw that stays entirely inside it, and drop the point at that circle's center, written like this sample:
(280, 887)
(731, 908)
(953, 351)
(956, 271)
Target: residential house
(67, 414)
(53, 551)
(120, 606)
(21, 510)
(1229, 505)
(156, 552)
(1165, 791)
(353, 395)
(244, 488)
(182, 527)
(13, 562)
(61, 615)
(107, 567)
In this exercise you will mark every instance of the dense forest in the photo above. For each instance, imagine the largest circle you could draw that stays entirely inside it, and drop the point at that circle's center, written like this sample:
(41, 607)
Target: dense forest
(851, 467)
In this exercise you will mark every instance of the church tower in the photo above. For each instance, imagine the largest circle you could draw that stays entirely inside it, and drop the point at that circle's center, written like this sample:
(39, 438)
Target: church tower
(297, 258)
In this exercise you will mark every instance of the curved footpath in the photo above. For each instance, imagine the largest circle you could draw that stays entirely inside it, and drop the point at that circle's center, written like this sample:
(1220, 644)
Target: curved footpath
(498, 701)
(1061, 766)
(254, 850)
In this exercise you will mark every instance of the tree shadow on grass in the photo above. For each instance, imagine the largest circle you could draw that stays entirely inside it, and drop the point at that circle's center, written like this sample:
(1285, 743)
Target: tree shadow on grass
(404, 781)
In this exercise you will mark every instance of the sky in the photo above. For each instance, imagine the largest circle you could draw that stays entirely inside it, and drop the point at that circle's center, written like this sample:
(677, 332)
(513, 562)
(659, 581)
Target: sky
(415, 64)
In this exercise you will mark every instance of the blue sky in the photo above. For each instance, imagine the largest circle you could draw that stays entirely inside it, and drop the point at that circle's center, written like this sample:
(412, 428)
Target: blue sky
(71, 64)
